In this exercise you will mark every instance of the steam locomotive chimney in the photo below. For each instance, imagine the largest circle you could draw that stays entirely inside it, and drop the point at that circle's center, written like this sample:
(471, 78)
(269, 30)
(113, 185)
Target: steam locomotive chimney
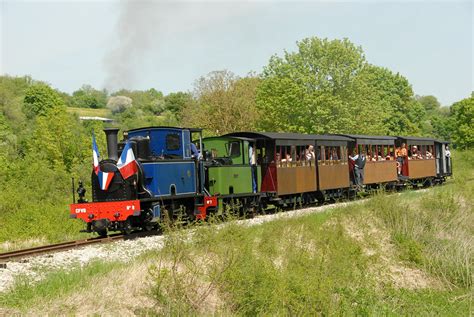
(111, 134)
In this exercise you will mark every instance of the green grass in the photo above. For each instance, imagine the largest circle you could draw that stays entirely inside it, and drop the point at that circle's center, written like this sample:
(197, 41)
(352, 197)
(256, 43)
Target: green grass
(88, 112)
(314, 265)
(27, 294)
(298, 266)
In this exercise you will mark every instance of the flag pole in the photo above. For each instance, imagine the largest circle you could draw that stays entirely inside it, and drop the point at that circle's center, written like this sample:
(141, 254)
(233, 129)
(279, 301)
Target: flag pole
(73, 191)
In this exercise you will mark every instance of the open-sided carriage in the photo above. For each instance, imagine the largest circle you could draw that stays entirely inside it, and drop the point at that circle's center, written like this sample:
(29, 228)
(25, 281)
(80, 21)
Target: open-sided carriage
(426, 161)
(381, 164)
(300, 166)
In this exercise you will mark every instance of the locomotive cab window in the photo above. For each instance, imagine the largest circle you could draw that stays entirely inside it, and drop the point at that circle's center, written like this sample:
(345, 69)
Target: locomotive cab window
(233, 149)
(172, 142)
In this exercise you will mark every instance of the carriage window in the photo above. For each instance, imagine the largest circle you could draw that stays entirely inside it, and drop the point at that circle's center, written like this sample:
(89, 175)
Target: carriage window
(285, 156)
(172, 142)
(233, 149)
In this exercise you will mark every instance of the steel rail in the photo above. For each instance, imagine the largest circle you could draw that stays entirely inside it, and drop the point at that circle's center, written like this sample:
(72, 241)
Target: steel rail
(8, 256)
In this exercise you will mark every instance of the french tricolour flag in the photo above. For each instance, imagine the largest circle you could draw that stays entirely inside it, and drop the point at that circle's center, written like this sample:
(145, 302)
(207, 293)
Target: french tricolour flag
(95, 155)
(126, 163)
(104, 178)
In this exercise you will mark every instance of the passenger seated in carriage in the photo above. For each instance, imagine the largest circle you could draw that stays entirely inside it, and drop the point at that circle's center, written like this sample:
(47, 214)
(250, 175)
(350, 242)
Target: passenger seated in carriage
(415, 154)
(287, 158)
(309, 153)
(278, 157)
(334, 155)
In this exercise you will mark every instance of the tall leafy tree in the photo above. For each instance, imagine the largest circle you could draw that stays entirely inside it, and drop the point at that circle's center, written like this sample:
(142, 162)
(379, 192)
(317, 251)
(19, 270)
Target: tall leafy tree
(89, 97)
(430, 103)
(175, 102)
(462, 114)
(392, 100)
(310, 90)
(223, 103)
(40, 99)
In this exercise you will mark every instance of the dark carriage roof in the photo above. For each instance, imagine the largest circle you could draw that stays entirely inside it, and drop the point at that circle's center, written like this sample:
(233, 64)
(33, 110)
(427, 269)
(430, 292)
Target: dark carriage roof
(417, 140)
(292, 138)
(227, 136)
(288, 136)
(371, 139)
(270, 135)
(166, 127)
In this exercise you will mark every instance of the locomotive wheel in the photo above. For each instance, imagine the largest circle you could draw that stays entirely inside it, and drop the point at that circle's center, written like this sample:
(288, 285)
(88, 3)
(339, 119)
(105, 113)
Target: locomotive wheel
(127, 228)
(149, 227)
(102, 233)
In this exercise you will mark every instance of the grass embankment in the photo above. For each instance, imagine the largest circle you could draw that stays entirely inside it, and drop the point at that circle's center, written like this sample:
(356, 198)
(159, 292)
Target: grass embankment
(37, 212)
(407, 254)
(88, 112)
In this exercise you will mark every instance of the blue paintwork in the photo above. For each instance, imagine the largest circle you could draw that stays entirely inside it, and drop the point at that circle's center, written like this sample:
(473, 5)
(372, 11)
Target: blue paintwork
(160, 176)
(157, 137)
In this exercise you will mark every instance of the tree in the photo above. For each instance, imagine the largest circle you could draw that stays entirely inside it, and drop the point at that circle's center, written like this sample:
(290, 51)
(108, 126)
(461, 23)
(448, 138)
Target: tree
(175, 102)
(462, 114)
(58, 138)
(39, 99)
(88, 97)
(430, 103)
(328, 87)
(310, 90)
(392, 100)
(223, 103)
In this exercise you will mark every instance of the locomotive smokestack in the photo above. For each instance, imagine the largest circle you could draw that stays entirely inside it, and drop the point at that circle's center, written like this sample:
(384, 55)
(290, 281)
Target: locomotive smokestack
(111, 134)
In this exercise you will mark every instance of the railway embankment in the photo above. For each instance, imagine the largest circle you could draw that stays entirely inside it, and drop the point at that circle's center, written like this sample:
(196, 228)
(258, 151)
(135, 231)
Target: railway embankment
(407, 254)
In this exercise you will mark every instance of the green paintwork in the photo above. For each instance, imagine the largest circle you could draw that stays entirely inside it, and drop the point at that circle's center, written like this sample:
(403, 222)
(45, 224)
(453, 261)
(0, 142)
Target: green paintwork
(238, 175)
(220, 145)
(221, 178)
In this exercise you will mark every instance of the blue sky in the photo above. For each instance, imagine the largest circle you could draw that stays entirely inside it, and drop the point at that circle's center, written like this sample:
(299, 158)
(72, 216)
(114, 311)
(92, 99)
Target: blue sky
(168, 45)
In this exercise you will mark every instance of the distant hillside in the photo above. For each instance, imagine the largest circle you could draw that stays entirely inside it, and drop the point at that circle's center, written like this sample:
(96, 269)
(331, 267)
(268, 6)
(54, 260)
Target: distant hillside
(88, 112)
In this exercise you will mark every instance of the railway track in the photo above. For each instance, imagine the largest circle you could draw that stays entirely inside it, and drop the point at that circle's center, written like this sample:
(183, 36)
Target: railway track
(17, 254)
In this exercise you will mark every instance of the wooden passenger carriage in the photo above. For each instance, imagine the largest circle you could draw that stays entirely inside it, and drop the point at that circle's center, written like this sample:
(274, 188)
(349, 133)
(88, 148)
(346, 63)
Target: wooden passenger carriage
(288, 169)
(333, 161)
(381, 164)
(420, 162)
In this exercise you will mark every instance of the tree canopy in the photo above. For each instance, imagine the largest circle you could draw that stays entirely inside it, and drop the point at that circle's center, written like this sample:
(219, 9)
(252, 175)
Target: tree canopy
(223, 103)
(462, 113)
(88, 97)
(328, 87)
(40, 98)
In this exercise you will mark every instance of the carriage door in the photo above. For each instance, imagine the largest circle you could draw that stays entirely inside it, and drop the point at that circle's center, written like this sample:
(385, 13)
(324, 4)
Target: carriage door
(268, 166)
(439, 159)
